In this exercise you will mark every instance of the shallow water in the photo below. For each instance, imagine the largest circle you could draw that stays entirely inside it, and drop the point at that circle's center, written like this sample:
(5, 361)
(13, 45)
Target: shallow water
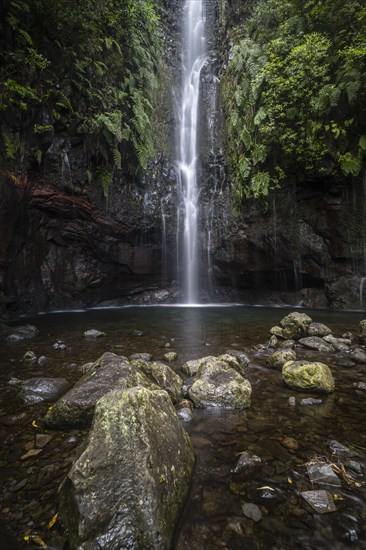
(213, 515)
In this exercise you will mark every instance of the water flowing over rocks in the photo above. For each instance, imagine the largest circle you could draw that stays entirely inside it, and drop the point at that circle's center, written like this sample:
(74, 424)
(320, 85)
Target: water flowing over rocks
(304, 375)
(127, 488)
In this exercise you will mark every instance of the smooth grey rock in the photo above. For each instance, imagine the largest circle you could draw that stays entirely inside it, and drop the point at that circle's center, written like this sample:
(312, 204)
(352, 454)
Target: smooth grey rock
(76, 407)
(314, 342)
(246, 462)
(93, 333)
(42, 361)
(340, 451)
(23, 332)
(191, 367)
(360, 386)
(218, 385)
(289, 344)
(38, 390)
(320, 501)
(339, 344)
(127, 488)
(251, 511)
(308, 376)
(280, 357)
(358, 355)
(323, 474)
(318, 329)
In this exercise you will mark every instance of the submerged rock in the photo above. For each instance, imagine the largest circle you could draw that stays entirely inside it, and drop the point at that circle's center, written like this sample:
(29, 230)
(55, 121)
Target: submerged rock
(127, 488)
(22, 333)
(76, 407)
(320, 501)
(218, 385)
(246, 461)
(280, 357)
(39, 390)
(323, 474)
(251, 511)
(304, 375)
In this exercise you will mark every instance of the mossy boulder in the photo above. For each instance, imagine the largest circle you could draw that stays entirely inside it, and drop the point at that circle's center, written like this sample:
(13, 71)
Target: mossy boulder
(280, 357)
(295, 325)
(308, 376)
(219, 385)
(362, 331)
(127, 488)
(76, 407)
(191, 367)
(164, 377)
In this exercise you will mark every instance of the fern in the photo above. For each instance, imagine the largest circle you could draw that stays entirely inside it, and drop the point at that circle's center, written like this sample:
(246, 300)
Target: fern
(117, 158)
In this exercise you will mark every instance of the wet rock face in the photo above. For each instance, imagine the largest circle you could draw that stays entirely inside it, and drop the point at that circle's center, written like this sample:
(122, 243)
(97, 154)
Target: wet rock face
(127, 488)
(39, 390)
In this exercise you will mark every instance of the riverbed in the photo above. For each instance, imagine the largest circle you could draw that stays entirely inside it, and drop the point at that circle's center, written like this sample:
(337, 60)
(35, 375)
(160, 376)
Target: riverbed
(213, 517)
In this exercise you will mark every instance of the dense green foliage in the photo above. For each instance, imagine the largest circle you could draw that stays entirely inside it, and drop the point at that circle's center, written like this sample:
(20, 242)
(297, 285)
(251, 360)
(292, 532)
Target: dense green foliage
(295, 93)
(89, 66)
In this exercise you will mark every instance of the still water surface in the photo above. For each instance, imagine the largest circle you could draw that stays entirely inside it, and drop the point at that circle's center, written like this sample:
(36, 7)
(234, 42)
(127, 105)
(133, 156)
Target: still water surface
(213, 515)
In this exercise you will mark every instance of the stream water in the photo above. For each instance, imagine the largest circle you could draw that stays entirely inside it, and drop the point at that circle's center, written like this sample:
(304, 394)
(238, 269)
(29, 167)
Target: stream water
(213, 516)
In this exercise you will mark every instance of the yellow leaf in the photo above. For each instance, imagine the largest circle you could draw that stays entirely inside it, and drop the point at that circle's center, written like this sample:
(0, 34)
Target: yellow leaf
(34, 424)
(289, 480)
(53, 521)
(37, 539)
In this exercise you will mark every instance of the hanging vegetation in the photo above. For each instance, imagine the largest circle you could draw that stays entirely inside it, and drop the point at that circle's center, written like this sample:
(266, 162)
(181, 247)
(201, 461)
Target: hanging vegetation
(295, 93)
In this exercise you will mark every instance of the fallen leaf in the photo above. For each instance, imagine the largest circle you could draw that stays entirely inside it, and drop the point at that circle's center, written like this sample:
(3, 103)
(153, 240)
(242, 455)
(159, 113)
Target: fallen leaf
(53, 521)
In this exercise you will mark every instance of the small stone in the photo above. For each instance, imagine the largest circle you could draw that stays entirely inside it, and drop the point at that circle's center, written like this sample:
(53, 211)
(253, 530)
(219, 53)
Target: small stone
(31, 453)
(358, 355)
(310, 401)
(273, 341)
(290, 443)
(360, 386)
(137, 333)
(22, 333)
(59, 345)
(141, 356)
(354, 466)
(292, 401)
(280, 357)
(247, 461)
(362, 331)
(93, 333)
(15, 381)
(185, 414)
(289, 344)
(42, 361)
(41, 440)
(30, 357)
(19, 486)
(170, 356)
(277, 331)
(340, 451)
(251, 511)
(339, 344)
(167, 345)
(320, 501)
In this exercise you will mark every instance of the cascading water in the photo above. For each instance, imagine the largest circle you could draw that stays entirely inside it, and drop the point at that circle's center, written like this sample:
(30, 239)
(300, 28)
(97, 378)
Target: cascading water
(193, 60)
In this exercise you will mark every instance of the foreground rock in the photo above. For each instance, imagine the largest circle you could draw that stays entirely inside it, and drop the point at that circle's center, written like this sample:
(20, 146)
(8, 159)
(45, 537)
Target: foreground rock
(219, 385)
(164, 377)
(304, 375)
(76, 407)
(39, 390)
(127, 488)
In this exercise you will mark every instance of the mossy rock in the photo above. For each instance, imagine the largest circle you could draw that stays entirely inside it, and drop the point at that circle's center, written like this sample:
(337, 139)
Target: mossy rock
(295, 325)
(280, 357)
(308, 376)
(362, 331)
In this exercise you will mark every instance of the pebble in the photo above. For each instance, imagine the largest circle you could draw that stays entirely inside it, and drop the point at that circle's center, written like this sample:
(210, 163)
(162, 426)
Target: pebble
(42, 361)
(185, 414)
(251, 511)
(93, 333)
(59, 345)
(320, 501)
(246, 461)
(290, 443)
(360, 386)
(137, 333)
(292, 401)
(170, 356)
(311, 401)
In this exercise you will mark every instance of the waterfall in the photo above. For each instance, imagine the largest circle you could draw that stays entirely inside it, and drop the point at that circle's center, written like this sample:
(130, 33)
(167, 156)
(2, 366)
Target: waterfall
(193, 61)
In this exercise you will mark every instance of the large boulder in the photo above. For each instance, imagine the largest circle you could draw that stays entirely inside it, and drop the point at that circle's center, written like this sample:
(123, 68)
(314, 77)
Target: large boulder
(308, 376)
(295, 325)
(219, 385)
(39, 390)
(127, 488)
(76, 407)
(280, 357)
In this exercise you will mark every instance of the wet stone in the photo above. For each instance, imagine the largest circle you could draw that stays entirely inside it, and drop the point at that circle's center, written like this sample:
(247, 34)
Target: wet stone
(137, 333)
(314, 342)
(42, 360)
(339, 344)
(246, 462)
(185, 414)
(340, 451)
(360, 386)
(38, 390)
(60, 345)
(30, 357)
(93, 333)
(141, 357)
(290, 443)
(310, 401)
(320, 501)
(41, 440)
(318, 329)
(251, 511)
(358, 356)
(170, 356)
(323, 474)
(22, 333)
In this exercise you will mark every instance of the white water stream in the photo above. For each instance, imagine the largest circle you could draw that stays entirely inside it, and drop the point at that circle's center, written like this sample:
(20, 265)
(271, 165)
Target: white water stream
(193, 60)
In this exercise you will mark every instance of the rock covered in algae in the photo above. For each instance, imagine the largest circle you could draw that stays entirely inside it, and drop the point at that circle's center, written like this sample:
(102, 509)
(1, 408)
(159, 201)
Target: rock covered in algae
(127, 488)
(280, 357)
(362, 331)
(308, 376)
(219, 385)
(295, 325)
